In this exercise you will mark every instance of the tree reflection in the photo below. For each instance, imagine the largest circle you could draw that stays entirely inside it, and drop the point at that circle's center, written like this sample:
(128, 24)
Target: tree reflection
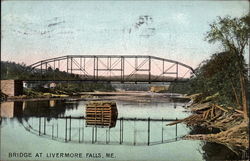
(47, 109)
(24, 110)
(213, 151)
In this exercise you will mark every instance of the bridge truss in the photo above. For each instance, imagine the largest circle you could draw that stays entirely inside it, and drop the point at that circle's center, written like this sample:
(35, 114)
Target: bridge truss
(114, 68)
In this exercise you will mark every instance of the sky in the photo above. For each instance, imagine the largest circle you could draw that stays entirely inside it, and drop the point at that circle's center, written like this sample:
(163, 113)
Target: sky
(36, 30)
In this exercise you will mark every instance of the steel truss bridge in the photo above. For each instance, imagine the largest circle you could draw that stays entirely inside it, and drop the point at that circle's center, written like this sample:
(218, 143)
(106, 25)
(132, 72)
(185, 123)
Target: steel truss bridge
(113, 68)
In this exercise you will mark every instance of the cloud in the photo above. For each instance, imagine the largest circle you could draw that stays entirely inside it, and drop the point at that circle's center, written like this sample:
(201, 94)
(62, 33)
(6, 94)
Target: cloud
(29, 27)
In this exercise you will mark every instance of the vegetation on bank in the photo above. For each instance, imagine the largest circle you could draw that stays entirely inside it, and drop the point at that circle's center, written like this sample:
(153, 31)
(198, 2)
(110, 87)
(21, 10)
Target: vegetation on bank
(20, 71)
(233, 34)
(70, 89)
(218, 76)
(224, 74)
(220, 83)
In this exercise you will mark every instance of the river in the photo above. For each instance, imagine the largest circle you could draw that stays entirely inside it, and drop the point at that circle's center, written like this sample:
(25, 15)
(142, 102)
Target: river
(57, 129)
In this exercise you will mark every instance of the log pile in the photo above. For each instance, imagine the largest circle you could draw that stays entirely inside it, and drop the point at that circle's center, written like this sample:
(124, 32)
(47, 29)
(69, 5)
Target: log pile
(101, 113)
(205, 114)
(230, 122)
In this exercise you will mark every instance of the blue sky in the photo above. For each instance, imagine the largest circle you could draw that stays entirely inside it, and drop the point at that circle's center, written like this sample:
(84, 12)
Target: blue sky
(35, 30)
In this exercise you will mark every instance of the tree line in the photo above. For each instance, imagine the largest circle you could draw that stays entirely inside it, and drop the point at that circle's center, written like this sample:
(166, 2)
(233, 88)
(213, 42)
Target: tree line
(224, 74)
(20, 71)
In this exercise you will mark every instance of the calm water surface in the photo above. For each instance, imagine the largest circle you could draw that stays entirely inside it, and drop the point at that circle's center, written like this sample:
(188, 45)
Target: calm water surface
(50, 127)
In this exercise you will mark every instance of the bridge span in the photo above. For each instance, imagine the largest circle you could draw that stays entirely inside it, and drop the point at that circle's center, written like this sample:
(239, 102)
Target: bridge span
(113, 68)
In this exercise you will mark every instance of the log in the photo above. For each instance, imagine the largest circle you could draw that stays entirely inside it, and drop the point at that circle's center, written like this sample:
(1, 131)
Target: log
(190, 118)
(175, 122)
(207, 114)
(200, 107)
(212, 112)
(239, 111)
(223, 109)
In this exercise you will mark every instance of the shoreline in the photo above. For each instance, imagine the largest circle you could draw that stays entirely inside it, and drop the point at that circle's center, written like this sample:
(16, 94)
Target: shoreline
(139, 96)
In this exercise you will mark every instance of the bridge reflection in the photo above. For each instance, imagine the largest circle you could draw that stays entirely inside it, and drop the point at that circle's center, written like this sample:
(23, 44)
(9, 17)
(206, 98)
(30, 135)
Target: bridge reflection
(46, 119)
(128, 131)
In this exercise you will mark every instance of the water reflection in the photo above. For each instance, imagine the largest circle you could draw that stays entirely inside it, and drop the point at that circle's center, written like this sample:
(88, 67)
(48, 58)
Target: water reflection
(51, 120)
(98, 126)
(132, 131)
(52, 108)
(214, 151)
(11, 109)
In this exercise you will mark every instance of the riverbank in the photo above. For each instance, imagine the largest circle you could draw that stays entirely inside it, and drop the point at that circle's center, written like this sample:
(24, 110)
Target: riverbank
(226, 125)
(134, 96)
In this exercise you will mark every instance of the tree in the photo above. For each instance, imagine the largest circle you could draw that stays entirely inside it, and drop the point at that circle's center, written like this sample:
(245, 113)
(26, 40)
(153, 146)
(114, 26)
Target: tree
(233, 34)
(217, 76)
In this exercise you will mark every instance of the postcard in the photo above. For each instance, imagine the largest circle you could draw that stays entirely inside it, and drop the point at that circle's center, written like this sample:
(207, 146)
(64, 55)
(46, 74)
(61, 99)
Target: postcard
(124, 80)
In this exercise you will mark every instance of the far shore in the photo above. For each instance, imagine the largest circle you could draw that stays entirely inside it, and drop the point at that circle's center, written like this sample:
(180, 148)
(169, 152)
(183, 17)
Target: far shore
(137, 96)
